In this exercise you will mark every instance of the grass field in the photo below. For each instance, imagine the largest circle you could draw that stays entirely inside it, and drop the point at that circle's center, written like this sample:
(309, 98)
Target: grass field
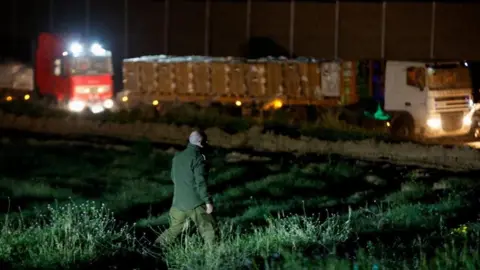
(78, 207)
(326, 127)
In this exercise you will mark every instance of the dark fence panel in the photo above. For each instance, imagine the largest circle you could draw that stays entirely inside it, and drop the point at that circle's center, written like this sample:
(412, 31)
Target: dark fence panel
(408, 30)
(228, 28)
(315, 29)
(187, 27)
(360, 30)
(145, 27)
(457, 32)
(271, 22)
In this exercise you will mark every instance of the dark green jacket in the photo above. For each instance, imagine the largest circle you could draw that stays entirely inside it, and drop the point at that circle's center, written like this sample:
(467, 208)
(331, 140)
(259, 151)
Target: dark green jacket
(189, 174)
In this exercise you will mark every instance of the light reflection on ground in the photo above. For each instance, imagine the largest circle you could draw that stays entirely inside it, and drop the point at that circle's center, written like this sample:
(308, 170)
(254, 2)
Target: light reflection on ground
(474, 144)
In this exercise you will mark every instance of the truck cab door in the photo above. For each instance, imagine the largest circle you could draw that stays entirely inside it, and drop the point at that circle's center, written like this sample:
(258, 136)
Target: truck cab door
(405, 89)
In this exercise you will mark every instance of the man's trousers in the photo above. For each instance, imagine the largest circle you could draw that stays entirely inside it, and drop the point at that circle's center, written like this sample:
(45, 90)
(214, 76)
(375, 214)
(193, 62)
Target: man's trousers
(204, 222)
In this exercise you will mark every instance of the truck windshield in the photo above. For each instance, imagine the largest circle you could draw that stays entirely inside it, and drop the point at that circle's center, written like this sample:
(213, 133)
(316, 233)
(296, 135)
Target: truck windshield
(451, 78)
(90, 65)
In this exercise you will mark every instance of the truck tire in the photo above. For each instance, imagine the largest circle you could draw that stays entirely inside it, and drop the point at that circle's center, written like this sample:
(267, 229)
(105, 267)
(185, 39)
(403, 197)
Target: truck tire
(247, 111)
(63, 104)
(474, 133)
(298, 115)
(50, 101)
(402, 128)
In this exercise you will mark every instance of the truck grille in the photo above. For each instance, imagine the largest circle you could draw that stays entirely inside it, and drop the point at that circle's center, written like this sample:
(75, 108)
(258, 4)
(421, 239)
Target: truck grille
(452, 121)
(93, 90)
(451, 103)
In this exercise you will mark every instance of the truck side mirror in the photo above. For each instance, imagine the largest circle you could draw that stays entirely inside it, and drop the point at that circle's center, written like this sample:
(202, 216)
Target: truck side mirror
(420, 86)
(421, 78)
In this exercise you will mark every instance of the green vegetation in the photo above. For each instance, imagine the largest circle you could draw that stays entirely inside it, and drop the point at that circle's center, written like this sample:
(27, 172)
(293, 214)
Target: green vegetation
(77, 207)
(326, 126)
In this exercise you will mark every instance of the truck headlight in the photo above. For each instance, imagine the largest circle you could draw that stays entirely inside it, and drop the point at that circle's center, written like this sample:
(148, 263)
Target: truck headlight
(97, 49)
(467, 121)
(76, 105)
(97, 108)
(434, 123)
(108, 103)
(76, 48)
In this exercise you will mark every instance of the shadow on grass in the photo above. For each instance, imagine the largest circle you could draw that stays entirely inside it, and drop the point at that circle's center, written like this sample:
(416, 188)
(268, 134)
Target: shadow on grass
(331, 196)
(13, 205)
(253, 171)
(142, 210)
(25, 193)
(125, 260)
(88, 187)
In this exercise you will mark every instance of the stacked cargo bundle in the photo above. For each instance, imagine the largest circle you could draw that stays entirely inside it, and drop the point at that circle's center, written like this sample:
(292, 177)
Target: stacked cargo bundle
(219, 77)
(237, 79)
(16, 76)
(234, 80)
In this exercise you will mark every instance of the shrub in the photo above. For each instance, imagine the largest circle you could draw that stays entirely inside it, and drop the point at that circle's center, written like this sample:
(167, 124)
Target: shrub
(64, 236)
(281, 237)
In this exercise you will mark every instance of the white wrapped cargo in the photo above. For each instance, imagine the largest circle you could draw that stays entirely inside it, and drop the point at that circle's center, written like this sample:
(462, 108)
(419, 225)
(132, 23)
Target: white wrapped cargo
(16, 76)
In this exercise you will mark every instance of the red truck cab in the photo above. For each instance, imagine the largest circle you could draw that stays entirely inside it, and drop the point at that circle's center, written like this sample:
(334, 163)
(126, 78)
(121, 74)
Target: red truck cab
(73, 74)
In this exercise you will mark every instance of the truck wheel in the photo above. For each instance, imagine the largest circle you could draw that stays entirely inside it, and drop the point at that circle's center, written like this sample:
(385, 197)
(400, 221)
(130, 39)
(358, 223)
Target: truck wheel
(247, 111)
(298, 115)
(63, 104)
(50, 101)
(474, 133)
(402, 130)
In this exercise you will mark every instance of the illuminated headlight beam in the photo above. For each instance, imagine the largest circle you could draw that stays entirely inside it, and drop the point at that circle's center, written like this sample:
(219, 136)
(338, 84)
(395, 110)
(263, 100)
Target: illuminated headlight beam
(97, 49)
(108, 104)
(434, 123)
(97, 108)
(76, 48)
(76, 106)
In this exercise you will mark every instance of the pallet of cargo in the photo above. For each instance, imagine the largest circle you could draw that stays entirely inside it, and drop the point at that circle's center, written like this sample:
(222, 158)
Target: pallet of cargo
(264, 83)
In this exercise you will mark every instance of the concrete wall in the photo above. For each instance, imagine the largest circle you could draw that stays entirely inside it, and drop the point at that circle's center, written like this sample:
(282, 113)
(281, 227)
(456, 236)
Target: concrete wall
(407, 29)
(407, 32)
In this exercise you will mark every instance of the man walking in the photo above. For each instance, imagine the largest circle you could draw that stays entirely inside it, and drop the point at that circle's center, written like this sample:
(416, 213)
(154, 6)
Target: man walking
(190, 198)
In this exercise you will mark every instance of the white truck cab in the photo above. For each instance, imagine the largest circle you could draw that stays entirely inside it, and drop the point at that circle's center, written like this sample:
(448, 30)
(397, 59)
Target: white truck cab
(428, 99)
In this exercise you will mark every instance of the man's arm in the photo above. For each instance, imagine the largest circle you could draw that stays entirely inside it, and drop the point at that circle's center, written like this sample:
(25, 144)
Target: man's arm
(200, 173)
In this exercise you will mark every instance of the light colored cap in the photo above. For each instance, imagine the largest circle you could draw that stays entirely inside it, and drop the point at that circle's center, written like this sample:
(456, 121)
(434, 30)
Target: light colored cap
(196, 138)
